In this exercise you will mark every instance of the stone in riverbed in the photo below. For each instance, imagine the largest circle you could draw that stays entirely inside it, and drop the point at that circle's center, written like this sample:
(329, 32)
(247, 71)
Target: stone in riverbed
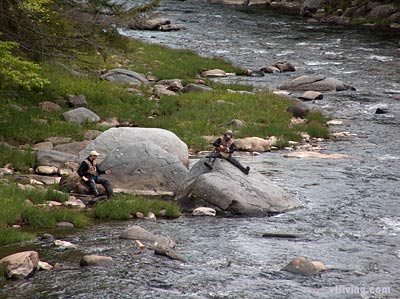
(21, 264)
(316, 83)
(311, 96)
(136, 232)
(96, 261)
(227, 190)
(304, 267)
(204, 211)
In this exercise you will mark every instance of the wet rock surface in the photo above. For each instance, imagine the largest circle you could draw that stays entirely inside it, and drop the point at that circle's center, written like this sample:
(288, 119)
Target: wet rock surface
(226, 189)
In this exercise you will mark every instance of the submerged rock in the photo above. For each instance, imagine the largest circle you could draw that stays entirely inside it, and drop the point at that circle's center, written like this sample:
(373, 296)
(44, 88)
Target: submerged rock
(227, 190)
(96, 261)
(304, 267)
(316, 83)
(136, 232)
(168, 252)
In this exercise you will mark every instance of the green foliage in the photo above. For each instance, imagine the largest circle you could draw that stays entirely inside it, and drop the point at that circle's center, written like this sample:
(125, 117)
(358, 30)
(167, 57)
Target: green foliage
(12, 235)
(13, 208)
(15, 72)
(21, 160)
(123, 206)
(168, 63)
(37, 217)
(33, 125)
(314, 129)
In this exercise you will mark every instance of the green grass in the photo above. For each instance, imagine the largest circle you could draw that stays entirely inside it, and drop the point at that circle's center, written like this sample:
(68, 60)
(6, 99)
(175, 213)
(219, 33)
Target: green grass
(21, 160)
(15, 210)
(123, 206)
(39, 217)
(12, 235)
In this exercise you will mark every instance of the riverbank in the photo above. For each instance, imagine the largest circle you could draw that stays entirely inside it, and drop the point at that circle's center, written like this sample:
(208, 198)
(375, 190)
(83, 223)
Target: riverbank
(369, 14)
(34, 120)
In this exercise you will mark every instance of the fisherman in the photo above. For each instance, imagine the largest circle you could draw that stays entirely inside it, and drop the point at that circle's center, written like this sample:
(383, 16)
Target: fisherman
(89, 172)
(224, 148)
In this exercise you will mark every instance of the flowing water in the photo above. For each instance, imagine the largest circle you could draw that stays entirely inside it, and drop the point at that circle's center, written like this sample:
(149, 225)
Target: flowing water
(351, 215)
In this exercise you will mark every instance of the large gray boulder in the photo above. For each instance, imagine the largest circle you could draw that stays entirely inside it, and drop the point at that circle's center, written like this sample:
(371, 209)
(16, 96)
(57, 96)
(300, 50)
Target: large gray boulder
(316, 83)
(80, 116)
(125, 77)
(118, 137)
(144, 166)
(136, 232)
(21, 264)
(53, 158)
(226, 189)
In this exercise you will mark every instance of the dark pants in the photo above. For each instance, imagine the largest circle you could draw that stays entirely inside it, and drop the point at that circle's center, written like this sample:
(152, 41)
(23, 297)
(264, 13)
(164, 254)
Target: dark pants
(93, 180)
(231, 159)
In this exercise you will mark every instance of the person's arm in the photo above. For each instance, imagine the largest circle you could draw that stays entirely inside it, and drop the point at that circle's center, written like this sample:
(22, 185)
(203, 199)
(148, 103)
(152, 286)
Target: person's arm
(83, 168)
(217, 142)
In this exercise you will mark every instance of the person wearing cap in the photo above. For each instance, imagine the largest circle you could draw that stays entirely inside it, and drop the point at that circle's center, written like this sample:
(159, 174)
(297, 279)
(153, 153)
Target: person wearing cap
(224, 148)
(89, 172)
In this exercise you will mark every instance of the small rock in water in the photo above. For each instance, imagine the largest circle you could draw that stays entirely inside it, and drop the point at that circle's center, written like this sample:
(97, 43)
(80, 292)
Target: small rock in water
(65, 224)
(139, 215)
(204, 211)
(151, 216)
(334, 122)
(304, 267)
(64, 244)
(168, 252)
(44, 266)
(96, 261)
(381, 111)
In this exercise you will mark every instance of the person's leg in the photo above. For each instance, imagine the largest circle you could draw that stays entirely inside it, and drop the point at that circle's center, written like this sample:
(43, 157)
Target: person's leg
(238, 165)
(92, 185)
(106, 185)
(213, 156)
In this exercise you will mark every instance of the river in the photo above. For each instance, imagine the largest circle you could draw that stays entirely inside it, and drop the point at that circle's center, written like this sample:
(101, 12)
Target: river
(350, 220)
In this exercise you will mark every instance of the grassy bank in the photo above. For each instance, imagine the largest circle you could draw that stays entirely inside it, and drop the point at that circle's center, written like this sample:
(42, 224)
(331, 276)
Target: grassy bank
(15, 209)
(190, 116)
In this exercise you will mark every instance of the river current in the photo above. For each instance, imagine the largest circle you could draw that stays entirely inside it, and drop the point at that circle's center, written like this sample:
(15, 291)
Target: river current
(351, 215)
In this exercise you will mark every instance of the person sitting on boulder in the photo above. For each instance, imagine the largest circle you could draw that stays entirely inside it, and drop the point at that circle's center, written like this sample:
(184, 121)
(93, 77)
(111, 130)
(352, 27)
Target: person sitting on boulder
(89, 172)
(224, 148)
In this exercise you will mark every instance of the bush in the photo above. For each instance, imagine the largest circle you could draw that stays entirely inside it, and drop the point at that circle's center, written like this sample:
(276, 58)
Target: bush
(16, 72)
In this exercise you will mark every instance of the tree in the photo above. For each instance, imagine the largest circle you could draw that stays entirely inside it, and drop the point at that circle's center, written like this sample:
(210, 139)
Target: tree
(15, 72)
(45, 28)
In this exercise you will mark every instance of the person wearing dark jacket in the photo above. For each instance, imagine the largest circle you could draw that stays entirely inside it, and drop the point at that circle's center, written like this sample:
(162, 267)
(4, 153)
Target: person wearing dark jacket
(224, 148)
(89, 172)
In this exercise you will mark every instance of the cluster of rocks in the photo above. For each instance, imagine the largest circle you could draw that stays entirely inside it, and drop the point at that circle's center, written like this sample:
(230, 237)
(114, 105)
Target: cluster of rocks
(157, 88)
(157, 24)
(368, 13)
(365, 12)
(24, 264)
